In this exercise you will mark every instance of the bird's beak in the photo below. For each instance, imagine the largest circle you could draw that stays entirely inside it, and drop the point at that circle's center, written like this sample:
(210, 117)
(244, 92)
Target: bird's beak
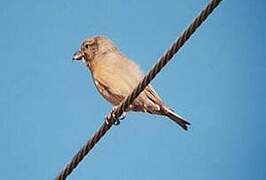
(77, 55)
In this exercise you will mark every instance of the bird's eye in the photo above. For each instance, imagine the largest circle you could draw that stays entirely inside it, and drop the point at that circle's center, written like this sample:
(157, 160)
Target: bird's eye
(89, 43)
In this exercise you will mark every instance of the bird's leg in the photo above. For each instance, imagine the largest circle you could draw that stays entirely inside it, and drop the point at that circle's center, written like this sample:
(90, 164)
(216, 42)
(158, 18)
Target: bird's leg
(117, 120)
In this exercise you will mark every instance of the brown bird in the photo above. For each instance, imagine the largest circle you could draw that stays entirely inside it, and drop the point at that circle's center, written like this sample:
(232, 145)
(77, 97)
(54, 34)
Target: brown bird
(115, 76)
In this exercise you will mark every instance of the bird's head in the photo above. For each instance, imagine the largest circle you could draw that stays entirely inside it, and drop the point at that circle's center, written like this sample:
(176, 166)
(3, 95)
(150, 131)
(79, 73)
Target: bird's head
(93, 47)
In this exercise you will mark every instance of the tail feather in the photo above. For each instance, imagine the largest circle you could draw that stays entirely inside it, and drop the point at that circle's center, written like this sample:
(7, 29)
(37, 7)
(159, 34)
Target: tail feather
(176, 118)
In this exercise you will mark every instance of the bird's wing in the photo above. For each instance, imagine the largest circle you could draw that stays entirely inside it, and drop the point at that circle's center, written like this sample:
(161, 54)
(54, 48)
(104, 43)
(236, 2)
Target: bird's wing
(149, 101)
(152, 95)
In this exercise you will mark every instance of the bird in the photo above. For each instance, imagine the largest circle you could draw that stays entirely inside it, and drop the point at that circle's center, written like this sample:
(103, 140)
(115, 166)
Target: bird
(115, 76)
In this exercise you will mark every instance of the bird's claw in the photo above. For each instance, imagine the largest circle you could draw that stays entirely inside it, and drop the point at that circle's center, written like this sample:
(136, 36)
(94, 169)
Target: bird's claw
(117, 120)
(123, 116)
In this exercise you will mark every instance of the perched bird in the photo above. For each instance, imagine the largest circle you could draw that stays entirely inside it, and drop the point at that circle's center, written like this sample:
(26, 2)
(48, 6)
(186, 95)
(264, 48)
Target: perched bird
(115, 76)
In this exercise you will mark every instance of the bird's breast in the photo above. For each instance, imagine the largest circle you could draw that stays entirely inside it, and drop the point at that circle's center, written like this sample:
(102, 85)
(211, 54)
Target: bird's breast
(115, 75)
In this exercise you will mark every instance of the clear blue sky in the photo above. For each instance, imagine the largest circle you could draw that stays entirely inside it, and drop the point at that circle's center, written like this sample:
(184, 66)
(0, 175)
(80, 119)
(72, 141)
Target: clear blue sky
(49, 105)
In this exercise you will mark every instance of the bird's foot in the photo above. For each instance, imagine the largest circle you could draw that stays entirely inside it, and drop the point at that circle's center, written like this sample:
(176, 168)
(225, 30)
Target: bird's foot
(117, 120)
(123, 116)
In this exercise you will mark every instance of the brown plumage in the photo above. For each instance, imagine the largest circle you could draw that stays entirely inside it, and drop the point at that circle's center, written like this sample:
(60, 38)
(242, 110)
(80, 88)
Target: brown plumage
(115, 76)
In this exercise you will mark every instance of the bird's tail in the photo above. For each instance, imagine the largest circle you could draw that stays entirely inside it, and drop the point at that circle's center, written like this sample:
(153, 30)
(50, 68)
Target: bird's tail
(175, 117)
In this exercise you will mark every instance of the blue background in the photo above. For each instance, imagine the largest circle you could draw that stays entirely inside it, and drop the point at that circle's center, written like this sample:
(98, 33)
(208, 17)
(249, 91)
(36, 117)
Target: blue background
(49, 105)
